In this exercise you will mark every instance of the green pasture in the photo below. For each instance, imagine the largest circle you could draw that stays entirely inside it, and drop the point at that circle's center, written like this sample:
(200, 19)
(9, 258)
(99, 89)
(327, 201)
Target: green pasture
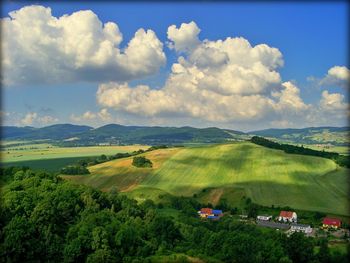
(267, 176)
(41, 152)
(51, 165)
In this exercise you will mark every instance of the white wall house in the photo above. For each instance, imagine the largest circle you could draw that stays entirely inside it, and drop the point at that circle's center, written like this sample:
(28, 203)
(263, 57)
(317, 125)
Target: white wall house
(288, 216)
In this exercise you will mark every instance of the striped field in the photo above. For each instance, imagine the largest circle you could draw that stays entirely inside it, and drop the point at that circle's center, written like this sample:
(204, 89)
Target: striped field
(269, 177)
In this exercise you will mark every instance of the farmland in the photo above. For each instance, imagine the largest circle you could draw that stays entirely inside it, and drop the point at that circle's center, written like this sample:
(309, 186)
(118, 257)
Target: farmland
(46, 151)
(52, 158)
(230, 171)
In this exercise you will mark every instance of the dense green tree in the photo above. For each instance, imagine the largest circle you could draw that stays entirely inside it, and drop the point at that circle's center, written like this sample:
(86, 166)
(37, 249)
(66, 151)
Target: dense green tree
(299, 248)
(46, 219)
(141, 161)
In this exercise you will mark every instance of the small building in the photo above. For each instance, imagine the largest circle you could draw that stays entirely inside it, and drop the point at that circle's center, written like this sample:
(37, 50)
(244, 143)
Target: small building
(272, 224)
(210, 213)
(331, 223)
(288, 216)
(205, 212)
(264, 218)
(301, 228)
(217, 213)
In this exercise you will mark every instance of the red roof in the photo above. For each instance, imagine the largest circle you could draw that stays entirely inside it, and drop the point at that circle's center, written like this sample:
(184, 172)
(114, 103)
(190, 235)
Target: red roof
(206, 211)
(331, 221)
(287, 214)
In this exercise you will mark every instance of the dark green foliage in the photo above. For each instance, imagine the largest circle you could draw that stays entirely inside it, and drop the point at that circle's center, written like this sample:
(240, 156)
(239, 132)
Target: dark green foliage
(141, 161)
(299, 248)
(46, 219)
(75, 169)
(324, 255)
(293, 149)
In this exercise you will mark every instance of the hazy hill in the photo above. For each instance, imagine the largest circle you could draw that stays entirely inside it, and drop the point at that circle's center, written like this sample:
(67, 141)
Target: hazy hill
(115, 133)
(120, 134)
(312, 135)
(53, 132)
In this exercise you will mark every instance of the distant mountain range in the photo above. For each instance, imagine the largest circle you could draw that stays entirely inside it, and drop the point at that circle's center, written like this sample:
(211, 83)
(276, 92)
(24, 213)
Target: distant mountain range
(69, 134)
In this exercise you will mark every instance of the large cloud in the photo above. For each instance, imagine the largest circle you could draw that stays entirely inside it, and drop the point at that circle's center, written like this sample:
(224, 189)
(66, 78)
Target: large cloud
(218, 81)
(40, 48)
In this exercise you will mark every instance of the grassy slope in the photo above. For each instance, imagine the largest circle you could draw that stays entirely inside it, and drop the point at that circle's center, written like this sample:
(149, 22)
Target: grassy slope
(120, 173)
(267, 176)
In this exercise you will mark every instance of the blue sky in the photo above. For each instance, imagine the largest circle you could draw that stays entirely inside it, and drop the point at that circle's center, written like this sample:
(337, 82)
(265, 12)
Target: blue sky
(312, 38)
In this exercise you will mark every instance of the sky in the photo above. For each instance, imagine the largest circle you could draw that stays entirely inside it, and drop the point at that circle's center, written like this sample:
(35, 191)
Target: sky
(244, 66)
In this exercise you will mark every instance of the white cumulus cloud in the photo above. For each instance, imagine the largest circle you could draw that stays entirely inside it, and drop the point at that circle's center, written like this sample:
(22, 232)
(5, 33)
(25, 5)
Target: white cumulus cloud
(218, 81)
(89, 116)
(338, 76)
(33, 118)
(41, 48)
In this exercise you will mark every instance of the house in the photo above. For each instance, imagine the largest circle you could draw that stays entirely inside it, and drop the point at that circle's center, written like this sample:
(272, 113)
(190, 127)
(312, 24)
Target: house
(272, 224)
(288, 216)
(331, 223)
(205, 212)
(210, 213)
(264, 218)
(217, 213)
(301, 228)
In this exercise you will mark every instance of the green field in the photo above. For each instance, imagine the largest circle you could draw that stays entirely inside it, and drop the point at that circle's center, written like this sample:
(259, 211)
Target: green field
(230, 171)
(50, 165)
(33, 152)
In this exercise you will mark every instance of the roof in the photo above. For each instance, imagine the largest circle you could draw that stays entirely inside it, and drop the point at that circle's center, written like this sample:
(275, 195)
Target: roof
(206, 211)
(332, 221)
(212, 217)
(217, 212)
(272, 224)
(288, 214)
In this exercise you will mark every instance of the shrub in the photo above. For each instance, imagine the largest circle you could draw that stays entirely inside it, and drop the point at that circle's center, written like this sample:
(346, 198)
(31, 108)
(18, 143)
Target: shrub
(141, 161)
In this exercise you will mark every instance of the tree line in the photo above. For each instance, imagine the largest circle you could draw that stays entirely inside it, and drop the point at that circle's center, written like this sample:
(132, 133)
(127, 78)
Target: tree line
(341, 160)
(44, 218)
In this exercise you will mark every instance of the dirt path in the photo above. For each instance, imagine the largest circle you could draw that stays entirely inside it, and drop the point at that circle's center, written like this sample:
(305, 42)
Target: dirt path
(215, 195)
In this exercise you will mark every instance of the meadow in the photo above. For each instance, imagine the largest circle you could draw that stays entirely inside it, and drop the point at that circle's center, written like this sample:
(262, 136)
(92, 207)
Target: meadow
(230, 171)
(31, 152)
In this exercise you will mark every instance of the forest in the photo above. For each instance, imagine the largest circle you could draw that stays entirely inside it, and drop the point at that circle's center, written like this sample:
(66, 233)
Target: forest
(47, 219)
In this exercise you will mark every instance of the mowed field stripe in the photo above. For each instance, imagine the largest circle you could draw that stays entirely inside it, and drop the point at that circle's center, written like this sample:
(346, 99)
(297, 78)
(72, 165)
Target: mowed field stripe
(269, 177)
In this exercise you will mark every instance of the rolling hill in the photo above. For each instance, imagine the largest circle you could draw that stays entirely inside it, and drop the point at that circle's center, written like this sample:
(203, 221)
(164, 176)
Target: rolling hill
(52, 132)
(312, 135)
(77, 135)
(120, 134)
(269, 177)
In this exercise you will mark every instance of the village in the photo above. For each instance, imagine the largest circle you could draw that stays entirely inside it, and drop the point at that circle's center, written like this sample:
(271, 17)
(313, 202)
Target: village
(287, 221)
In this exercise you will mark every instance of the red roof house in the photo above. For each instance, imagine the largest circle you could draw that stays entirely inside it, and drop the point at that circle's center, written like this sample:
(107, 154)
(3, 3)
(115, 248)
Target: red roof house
(331, 222)
(287, 216)
(207, 211)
